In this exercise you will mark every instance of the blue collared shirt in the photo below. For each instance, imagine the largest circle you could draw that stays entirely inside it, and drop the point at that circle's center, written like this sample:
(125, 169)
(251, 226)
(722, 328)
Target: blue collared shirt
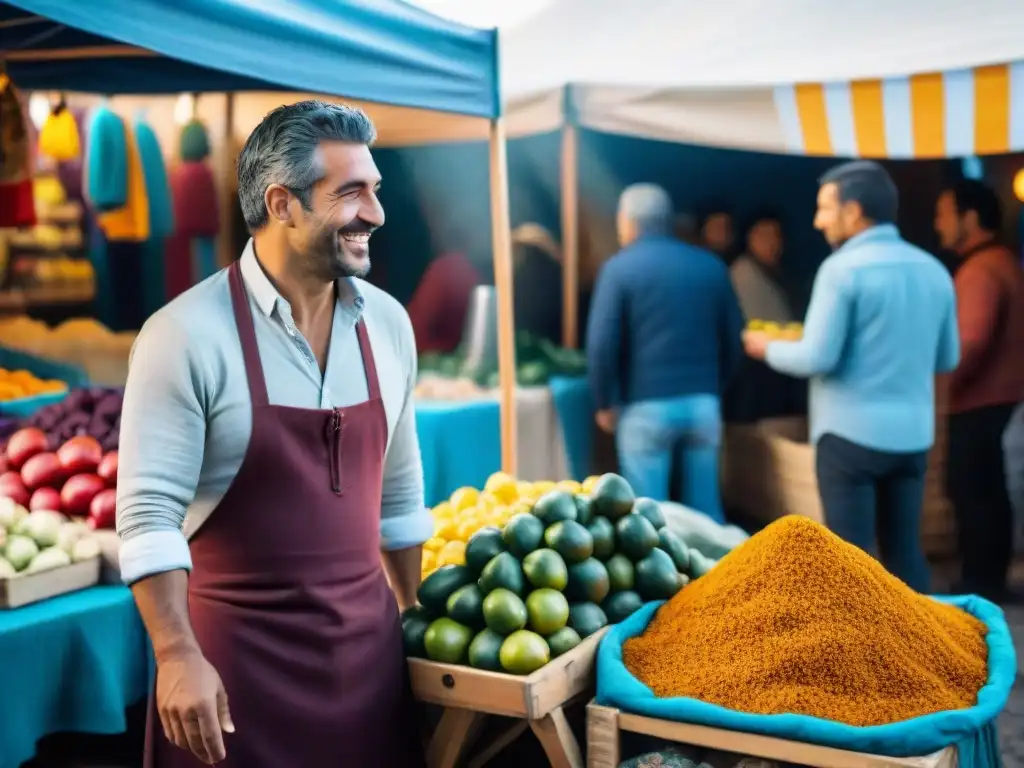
(881, 324)
(186, 420)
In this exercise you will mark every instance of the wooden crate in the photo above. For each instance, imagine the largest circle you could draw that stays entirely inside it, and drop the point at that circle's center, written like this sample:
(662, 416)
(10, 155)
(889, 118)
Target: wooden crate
(537, 701)
(768, 471)
(24, 590)
(605, 724)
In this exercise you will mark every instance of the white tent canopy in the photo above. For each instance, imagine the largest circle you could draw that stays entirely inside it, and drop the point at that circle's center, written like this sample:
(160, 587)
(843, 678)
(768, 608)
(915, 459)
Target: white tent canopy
(724, 73)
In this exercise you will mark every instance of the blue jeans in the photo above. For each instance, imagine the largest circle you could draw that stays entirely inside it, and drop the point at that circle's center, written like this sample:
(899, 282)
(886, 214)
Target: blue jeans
(872, 499)
(650, 433)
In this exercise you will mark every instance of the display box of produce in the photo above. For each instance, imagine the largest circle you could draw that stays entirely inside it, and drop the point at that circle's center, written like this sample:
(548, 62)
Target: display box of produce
(29, 382)
(497, 693)
(521, 581)
(26, 589)
(43, 554)
(605, 726)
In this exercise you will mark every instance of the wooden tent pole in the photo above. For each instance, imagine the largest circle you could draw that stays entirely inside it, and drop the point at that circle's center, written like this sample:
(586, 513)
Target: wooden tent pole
(570, 238)
(501, 226)
(228, 184)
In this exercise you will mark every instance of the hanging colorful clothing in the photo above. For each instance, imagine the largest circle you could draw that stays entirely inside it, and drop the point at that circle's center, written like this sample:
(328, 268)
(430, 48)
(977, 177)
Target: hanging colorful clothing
(17, 204)
(161, 220)
(191, 251)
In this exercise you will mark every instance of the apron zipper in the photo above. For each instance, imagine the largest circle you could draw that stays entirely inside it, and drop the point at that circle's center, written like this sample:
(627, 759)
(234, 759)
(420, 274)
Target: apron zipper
(334, 449)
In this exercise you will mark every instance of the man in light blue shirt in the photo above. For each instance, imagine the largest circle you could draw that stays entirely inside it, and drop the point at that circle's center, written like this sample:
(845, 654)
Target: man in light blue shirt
(881, 324)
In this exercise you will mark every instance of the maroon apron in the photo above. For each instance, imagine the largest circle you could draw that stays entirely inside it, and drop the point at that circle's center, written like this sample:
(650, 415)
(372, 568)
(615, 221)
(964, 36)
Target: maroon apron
(287, 595)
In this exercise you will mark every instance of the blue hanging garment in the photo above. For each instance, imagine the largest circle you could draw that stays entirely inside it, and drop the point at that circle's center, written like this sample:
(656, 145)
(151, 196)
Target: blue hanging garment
(972, 731)
(106, 161)
(161, 219)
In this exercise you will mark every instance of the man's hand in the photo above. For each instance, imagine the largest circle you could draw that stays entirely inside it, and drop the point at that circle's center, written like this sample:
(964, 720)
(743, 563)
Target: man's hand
(756, 343)
(193, 706)
(606, 420)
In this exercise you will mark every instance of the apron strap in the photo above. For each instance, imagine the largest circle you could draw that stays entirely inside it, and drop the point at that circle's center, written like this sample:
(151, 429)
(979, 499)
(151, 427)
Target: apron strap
(369, 365)
(247, 335)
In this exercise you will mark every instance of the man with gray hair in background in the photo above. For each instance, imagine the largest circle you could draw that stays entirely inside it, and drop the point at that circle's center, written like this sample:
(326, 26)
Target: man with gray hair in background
(663, 340)
(881, 324)
(273, 403)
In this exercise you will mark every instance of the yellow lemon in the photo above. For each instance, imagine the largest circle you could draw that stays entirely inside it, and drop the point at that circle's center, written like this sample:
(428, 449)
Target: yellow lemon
(464, 497)
(434, 544)
(489, 501)
(498, 479)
(429, 560)
(569, 485)
(453, 553)
(467, 527)
(541, 487)
(445, 528)
(520, 507)
(590, 482)
(444, 509)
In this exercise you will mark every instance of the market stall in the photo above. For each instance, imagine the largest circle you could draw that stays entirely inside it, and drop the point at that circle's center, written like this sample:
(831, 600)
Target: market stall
(393, 53)
(710, 76)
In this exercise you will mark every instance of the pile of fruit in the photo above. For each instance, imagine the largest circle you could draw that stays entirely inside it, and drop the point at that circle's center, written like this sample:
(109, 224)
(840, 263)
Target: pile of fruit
(15, 385)
(787, 332)
(512, 580)
(41, 540)
(77, 479)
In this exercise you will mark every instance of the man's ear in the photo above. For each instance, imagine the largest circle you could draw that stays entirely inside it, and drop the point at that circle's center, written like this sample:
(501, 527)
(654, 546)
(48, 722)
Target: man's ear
(278, 201)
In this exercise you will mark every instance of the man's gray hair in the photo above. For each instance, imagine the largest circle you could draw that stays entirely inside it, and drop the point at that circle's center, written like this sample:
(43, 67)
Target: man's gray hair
(869, 184)
(282, 149)
(649, 207)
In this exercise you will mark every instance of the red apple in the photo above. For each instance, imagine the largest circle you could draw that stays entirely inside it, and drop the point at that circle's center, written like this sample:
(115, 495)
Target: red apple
(45, 498)
(78, 493)
(43, 471)
(108, 468)
(24, 444)
(12, 488)
(103, 509)
(80, 454)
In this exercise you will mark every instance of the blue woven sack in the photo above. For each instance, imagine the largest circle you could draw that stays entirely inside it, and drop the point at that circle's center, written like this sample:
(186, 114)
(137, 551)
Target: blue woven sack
(972, 731)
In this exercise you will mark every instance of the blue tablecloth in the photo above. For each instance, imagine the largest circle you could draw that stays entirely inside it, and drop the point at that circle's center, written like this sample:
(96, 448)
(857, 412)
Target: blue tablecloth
(73, 663)
(461, 442)
(575, 409)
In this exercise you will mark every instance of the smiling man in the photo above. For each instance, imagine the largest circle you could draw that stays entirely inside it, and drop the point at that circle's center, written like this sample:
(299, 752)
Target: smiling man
(272, 404)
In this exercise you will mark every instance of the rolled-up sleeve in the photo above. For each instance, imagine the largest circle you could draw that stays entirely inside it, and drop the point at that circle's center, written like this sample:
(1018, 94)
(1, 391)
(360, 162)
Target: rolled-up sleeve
(405, 520)
(163, 431)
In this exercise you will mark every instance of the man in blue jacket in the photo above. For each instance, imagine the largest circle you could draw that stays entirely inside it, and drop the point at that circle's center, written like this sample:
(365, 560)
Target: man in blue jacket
(663, 339)
(881, 324)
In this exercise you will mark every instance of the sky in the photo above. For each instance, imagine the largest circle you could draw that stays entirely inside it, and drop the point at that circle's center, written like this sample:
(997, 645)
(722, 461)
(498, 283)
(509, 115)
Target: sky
(485, 14)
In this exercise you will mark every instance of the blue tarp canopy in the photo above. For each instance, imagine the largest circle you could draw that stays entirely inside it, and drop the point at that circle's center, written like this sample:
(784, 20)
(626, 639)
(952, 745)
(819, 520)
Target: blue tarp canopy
(374, 50)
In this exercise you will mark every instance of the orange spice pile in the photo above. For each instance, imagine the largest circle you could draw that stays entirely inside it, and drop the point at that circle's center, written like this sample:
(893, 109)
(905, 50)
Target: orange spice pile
(797, 620)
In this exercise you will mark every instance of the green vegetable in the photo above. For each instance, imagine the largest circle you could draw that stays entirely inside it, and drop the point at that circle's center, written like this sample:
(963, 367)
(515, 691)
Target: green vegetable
(619, 606)
(635, 537)
(588, 581)
(435, 590)
(523, 534)
(482, 547)
(586, 619)
(571, 540)
(555, 506)
(612, 496)
(502, 572)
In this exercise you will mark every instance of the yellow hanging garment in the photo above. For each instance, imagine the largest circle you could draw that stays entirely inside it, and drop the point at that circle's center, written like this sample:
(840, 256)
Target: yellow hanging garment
(59, 138)
(132, 221)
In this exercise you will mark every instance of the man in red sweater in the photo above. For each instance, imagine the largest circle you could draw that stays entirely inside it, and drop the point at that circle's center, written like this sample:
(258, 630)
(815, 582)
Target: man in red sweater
(986, 386)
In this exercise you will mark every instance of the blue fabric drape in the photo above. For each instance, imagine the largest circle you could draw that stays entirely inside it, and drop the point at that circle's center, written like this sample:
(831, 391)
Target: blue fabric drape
(973, 730)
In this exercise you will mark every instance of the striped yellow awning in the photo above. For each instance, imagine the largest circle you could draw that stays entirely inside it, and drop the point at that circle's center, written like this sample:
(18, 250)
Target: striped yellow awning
(948, 114)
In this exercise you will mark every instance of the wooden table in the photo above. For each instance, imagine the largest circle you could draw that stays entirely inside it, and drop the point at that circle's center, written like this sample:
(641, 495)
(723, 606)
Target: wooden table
(536, 702)
(605, 724)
